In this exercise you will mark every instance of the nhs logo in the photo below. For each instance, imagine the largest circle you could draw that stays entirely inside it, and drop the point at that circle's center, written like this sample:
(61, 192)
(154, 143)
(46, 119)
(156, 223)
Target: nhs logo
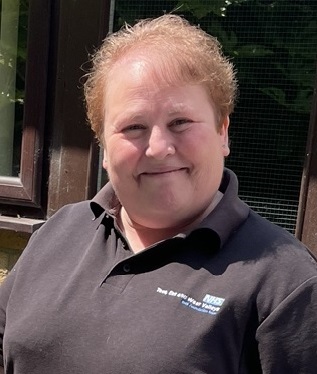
(213, 300)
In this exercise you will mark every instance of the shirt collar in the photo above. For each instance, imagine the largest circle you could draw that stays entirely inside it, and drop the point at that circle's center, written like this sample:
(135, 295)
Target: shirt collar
(230, 212)
(225, 218)
(105, 201)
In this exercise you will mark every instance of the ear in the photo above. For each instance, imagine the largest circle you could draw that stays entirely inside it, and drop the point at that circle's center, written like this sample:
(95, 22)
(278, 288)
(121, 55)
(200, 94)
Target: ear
(224, 134)
(105, 160)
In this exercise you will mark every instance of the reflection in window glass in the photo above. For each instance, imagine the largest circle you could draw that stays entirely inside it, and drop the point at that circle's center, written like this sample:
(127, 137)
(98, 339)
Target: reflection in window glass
(13, 30)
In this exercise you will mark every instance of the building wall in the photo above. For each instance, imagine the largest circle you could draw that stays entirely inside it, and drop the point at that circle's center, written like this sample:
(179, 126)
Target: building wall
(11, 246)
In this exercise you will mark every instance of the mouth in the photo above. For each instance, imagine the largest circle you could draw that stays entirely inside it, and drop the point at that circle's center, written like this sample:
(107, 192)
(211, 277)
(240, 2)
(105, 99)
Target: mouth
(164, 172)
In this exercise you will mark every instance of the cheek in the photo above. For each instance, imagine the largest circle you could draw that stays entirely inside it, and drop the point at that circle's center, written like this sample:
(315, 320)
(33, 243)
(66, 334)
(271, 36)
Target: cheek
(209, 160)
(208, 149)
(121, 155)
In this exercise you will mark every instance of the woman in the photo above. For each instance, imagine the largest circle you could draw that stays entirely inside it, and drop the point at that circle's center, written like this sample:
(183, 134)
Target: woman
(174, 274)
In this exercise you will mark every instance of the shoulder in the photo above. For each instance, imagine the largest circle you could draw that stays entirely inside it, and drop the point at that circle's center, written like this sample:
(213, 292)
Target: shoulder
(68, 218)
(276, 263)
(260, 238)
(269, 251)
(72, 212)
(64, 234)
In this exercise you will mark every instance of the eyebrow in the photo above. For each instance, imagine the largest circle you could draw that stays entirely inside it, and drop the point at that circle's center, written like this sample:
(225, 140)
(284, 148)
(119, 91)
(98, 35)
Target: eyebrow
(177, 108)
(129, 117)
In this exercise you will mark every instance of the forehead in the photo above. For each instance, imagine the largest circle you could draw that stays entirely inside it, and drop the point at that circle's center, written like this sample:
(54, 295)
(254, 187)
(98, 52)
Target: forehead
(153, 68)
(130, 83)
(137, 81)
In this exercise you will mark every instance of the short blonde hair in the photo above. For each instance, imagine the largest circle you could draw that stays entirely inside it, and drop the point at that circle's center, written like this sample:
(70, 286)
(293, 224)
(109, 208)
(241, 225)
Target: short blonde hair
(192, 55)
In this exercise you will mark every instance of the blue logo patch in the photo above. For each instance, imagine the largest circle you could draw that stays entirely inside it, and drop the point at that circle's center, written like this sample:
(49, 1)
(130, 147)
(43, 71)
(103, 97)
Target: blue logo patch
(213, 300)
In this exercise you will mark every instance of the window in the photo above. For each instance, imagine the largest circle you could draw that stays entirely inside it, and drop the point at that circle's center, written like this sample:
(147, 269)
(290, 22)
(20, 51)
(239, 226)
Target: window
(23, 77)
(51, 152)
(11, 89)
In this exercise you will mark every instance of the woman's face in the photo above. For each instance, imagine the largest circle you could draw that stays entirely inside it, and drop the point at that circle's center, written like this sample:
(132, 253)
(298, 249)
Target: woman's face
(164, 150)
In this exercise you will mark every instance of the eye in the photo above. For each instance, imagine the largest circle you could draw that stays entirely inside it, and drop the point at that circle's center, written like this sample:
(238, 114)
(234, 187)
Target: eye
(134, 131)
(180, 124)
(134, 127)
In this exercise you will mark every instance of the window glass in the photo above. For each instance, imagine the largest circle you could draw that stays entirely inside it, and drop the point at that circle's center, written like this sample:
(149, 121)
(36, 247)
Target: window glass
(273, 46)
(13, 36)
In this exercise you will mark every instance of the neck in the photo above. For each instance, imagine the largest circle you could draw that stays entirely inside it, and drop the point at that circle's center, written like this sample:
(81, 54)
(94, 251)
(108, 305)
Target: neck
(141, 237)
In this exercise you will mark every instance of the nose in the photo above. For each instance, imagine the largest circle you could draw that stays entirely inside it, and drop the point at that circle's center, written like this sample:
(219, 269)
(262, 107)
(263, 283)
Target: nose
(160, 144)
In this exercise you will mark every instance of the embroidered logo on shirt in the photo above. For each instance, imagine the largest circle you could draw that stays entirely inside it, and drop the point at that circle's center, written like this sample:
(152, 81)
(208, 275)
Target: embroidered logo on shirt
(210, 304)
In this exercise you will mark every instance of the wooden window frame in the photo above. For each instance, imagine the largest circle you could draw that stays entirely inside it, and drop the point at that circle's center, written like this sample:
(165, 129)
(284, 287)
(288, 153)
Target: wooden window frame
(25, 189)
(74, 154)
(59, 163)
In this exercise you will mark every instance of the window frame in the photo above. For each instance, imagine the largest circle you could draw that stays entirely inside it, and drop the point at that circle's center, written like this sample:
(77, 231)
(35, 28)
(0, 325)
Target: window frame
(74, 153)
(25, 190)
(306, 227)
(59, 156)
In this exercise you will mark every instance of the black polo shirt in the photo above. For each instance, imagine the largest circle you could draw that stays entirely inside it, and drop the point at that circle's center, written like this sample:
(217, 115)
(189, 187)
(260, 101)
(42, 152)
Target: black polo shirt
(235, 295)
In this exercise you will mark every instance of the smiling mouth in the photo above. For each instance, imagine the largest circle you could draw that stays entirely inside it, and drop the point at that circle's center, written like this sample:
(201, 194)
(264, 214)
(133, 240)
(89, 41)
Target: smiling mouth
(164, 172)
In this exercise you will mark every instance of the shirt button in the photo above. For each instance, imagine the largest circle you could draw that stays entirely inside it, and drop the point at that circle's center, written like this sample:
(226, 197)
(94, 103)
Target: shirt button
(126, 268)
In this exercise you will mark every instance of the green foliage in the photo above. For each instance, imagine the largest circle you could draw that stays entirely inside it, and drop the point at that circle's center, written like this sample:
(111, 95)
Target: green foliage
(18, 52)
(201, 8)
(283, 37)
